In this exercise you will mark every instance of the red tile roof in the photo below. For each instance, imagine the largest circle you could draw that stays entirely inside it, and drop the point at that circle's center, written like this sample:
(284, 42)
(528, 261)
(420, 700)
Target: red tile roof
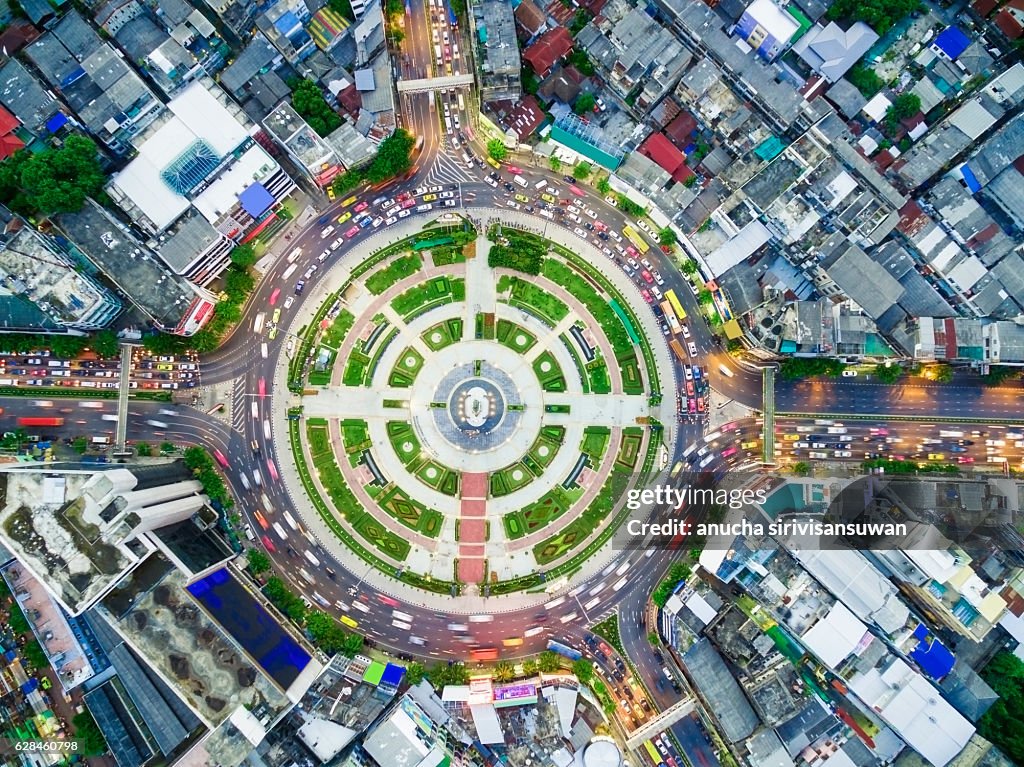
(680, 130)
(559, 12)
(661, 151)
(526, 117)
(17, 36)
(548, 49)
(1008, 25)
(912, 218)
(9, 143)
(530, 17)
(984, 7)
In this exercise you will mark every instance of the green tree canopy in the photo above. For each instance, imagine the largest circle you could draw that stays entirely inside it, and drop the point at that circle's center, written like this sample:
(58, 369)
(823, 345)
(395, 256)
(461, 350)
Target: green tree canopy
(496, 149)
(906, 105)
(801, 469)
(584, 103)
(555, 163)
(257, 561)
(88, 734)
(308, 100)
(414, 673)
(888, 374)
(1003, 724)
(243, 256)
(105, 343)
(80, 445)
(865, 80)
(143, 449)
(584, 670)
(581, 170)
(629, 207)
(549, 662)
(667, 236)
(603, 185)
(795, 368)
(880, 15)
(56, 180)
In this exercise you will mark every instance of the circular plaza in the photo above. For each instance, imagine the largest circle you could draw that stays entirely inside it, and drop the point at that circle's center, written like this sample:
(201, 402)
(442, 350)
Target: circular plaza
(469, 404)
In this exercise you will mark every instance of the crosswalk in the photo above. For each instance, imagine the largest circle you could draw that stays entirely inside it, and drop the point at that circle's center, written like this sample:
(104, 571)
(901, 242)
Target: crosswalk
(239, 405)
(445, 171)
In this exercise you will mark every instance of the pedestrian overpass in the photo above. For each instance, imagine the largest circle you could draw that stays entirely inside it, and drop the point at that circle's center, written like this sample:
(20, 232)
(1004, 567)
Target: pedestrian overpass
(665, 719)
(428, 84)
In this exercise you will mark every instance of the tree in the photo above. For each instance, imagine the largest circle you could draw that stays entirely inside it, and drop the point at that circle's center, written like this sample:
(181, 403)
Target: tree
(88, 734)
(1003, 723)
(888, 374)
(998, 374)
(667, 236)
(414, 673)
(243, 256)
(496, 149)
(581, 170)
(549, 662)
(906, 105)
(801, 469)
(942, 373)
(257, 561)
(504, 672)
(554, 162)
(653, 638)
(105, 343)
(167, 447)
(393, 157)
(344, 7)
(308, 100)
(80, 445)
(529, 667)
(584, 103)
(282, 597)
(865, 80)
(881, 15)
(629, 207)
(33, 655)
(56, 180)
(704, 297)
(583, 669)
(143, 449)
(582, 62)
(801, 367)
(688, 267)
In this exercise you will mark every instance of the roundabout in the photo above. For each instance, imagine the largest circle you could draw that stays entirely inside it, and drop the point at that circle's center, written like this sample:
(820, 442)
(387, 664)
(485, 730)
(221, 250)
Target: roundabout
(469, 425)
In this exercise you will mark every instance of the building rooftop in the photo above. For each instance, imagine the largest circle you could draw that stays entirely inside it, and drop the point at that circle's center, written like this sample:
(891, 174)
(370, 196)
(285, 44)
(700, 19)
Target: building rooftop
(258, 56)
(717, 683)
(548, 49)
(138, 273)
(831, 51)
(22, 94)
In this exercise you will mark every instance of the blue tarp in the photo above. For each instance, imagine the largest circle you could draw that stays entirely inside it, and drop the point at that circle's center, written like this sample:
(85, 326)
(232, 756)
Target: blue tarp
(30, 685)
(56, 122)
(930, 654)
(392, 675)
(256, 200)
(970, 179)
(952, 42)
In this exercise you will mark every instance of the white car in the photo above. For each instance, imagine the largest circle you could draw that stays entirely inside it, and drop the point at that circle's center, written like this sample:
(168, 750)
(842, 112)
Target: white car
(692, 348)
(447, 195)
(387, 204)
(404, 213)
(573, 217)
(580, 232)
(490, 182)
(686, 332)
(390, 221)
(688, 372)
(337, 243)
(378, 221)
(590, 213)
(288, 302)
(849, 374)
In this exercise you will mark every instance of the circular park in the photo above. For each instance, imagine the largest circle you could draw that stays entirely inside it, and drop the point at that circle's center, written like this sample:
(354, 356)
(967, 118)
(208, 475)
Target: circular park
(468, 405)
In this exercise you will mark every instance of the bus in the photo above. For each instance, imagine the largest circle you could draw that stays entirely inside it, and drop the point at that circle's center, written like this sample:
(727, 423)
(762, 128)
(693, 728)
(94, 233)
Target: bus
(221, 459)
(257, 326)
(40, 421)
(679, 351)
(670, 296)
(289, 271)
(484, 653)
(652, 752)
(564, 650)
(512, 642)
(670, 317)
(577, 191)
(634, 237)
(348, 201)
(462, 103)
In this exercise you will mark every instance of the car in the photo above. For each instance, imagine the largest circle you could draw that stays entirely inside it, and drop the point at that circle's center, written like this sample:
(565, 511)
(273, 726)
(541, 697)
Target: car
(647, 277)
(590, 213)
(330, 193)
(936, 456)
(378, 221)
(657, 277)
(849, 374)
(337, 243)
(324, 256)
(344, 217)
(490, 182)
(404, 213)
(326, 232)
(365, 222)
(361, 206)
(692, 348)
(632, 262)
(299, 287)
(390, 220)
(686, 331)
(569, 180)
(352, 232)
(309, 272)
(447, 195)
(688, 372)
(647, 296)
(387, 204)
(410, 203)
(429, 197)
(580, 232)
(647, 264)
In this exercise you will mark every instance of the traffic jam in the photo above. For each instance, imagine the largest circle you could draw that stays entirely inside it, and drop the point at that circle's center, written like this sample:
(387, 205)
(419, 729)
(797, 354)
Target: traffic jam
(40, 369)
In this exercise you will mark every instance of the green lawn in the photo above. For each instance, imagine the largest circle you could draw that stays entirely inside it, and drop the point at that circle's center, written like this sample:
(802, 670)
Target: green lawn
(514, 336)
(541, 512)
(435, 292)
(549, 372)
(445, 255)
(509, 479)
(355, 369)
(338, 329)
(406, 367)
(443, 334)
(537, 301)
(399, 269)
(403, 441)
(411, 513)
(595, 442)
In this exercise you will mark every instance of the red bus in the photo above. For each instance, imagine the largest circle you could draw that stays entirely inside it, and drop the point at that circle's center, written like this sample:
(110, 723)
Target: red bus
(484, 653)
(577, 191)
(263, 388)
(274, 295)
(220, 458)
(40, 421)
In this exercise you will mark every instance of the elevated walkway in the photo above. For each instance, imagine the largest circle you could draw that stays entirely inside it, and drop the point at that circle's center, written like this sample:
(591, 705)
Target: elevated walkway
(427, 84)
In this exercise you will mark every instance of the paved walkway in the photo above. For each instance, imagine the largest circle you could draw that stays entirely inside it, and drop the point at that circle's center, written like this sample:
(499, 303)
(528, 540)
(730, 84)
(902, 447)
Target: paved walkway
(473, 527)
(361, 305)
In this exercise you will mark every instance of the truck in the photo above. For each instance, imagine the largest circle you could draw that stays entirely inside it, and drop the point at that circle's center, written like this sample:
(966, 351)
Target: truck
(40, 421)
(679, 351)
(951, 433)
